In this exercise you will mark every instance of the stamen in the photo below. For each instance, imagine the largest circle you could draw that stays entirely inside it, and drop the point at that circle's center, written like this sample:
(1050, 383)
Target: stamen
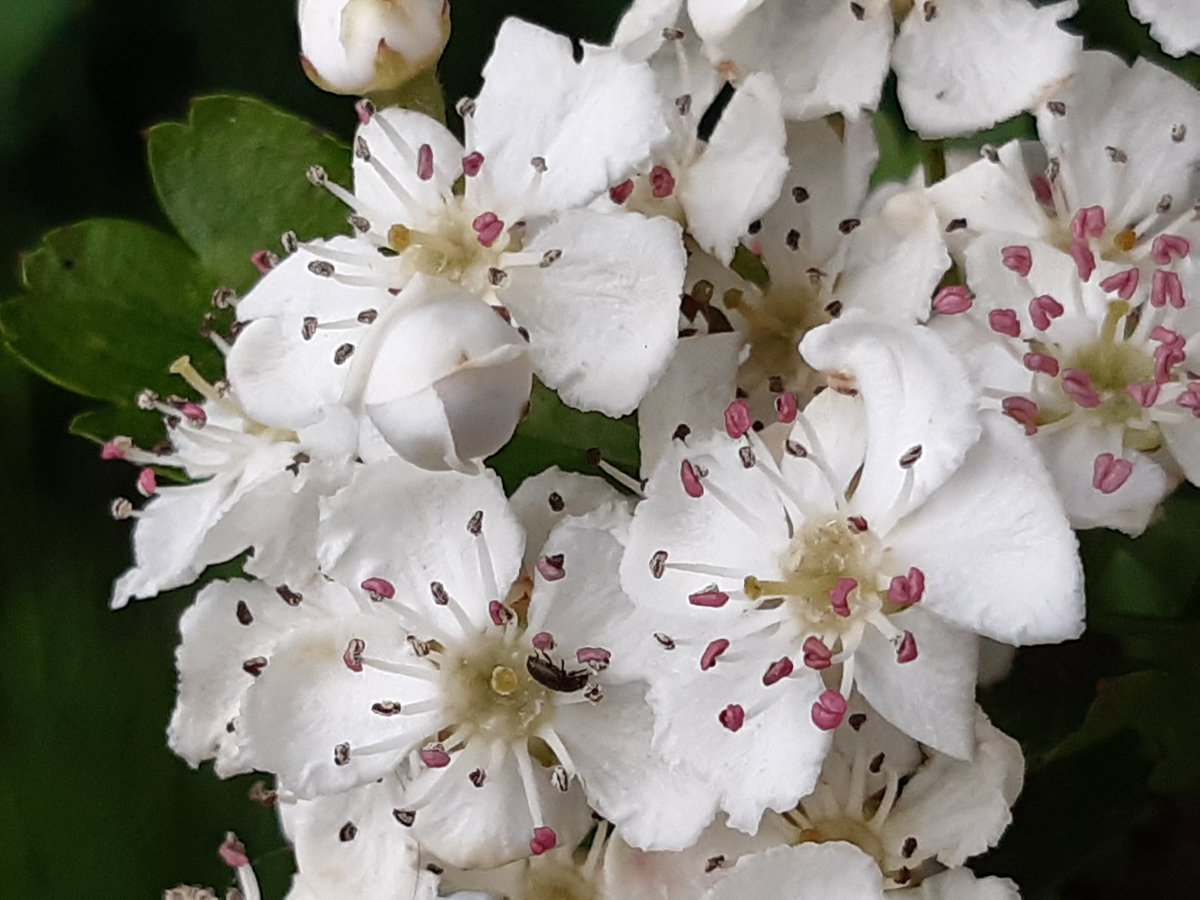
(690, 477)
(817, 654)
(425, 162)
(1043, 310)
(1166, 246)
(829, 710)
(551, 567)
(1088, 222)
(905, 590)
(1165, 287)
(184, 369)
(1017, 258)
(906, 651)
(472, 163)
(379, 589)
(710, 597)
(662, 182)
(777, 671)
(1123, 284)
(732, 717)
(737, 418)
(952, 300)
(708, 659)
(1022, 410)
(1085, 261)
(1109, 473)
(1144, 394)
(1077, 384)
(619, 193)
(1004, 321)
(1041, 362)
(839, 596)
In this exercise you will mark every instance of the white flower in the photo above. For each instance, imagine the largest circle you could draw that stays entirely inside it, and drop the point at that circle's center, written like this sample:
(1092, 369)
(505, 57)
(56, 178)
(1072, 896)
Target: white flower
(717, 183)
(1173, 23)
(437, 375)
(886, 815)
(352, 845)
(366, 46)
(246, 479)
(1083, 321)
(898, 526)
(596, 294)
(961, 65)
(475, 703)
(826, 250)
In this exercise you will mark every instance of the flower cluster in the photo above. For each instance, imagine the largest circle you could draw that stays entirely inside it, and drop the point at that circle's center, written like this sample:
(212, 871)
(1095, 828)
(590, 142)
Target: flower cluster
(869, 421)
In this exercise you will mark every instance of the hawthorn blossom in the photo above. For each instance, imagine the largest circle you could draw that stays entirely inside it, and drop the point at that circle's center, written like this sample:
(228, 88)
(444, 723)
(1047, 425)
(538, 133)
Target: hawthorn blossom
(413, 367)
(826, 249)
(961, 65)
(415, 663)
(1079, 317)
(366, 46)
(594, 293)
(913, 812)
(246, 478)
(861, 559)
(714, 180)
(1173, 24)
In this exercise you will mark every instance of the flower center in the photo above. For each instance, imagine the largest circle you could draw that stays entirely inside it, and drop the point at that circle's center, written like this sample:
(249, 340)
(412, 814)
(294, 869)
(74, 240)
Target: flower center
(462, 247)
(557, 882)
(775, 323)
(490, 687)
(844, 828)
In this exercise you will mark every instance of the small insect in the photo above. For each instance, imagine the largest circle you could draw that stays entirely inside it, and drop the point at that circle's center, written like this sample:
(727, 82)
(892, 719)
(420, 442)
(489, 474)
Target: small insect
(556, 677)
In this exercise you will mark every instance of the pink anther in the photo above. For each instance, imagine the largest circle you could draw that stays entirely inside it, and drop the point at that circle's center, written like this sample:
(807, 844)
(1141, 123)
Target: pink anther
(708, 658)
(690, 479)
(619, 193)
(1165, 287)
(544, 839)
(1110, 472)
(1017, 258)
(732, 717)
(906, 650)
(434, 757)
(839, 596)
(737, 418)
(662, 182)
(1005, 321)
(905, 590)
(1077, 384)
(829, 710)
(709, 597)
(1123, 284)
(1043, 310)
(1023, 410)
(1088, 222)
(953, 299)
(472, 163)
(777, 671)
(786, 407)
(425, 162)
(816, 654)
(1168, 246)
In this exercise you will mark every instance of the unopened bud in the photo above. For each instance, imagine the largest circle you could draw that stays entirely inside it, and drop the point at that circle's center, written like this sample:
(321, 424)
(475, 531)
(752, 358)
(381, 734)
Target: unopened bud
(369, 46)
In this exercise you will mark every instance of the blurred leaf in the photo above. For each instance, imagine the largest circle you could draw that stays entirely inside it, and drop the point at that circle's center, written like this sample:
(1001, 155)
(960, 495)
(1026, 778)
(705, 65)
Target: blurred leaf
(1163, 709)
(99, 425)
(554, 434)
(232, 180)
(109, 304)
(1155, 575)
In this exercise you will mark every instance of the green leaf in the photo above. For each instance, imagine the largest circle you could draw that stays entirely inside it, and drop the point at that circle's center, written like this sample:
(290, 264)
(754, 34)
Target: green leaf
(232, 180)
(108, 306)
(100, 425)
(554, 434)
(1163, 709)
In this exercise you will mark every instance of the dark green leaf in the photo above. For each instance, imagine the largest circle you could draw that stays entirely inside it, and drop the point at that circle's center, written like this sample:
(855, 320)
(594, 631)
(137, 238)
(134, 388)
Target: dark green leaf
(232, 180)
(108, 306)
(100, 425)
(553, 434)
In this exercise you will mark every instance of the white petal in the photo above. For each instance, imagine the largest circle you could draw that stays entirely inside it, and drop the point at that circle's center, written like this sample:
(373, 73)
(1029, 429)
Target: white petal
(745, 540)
(602, 319)
(307, 702)
(775, 757)
(829, 871)
(545, 499)
(932, 698)
(481, 827)
(639, 33)
(229, 623)
(655, 805)
(915, 393)
(409, 526)
(1173, 23)
(351, 844)
(998, 554)
(591, 122)
(991, 197)
(962, 884)
(694, 391)
(824, 58)
(739, 173)
(826, 186)
(281, 378)
(1183, 442)
(714, 19)
(420, 199)
(895, 260)
(974, 63)
(957, 809)
(663, 875)
(1069, 455)
(1112, 107)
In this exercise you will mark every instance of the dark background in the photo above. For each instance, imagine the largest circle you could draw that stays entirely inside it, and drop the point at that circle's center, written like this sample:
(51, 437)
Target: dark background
(91, 802)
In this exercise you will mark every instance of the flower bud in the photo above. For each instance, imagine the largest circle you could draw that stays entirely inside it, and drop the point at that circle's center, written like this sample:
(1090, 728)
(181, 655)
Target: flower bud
(448, 383)
(368, 46)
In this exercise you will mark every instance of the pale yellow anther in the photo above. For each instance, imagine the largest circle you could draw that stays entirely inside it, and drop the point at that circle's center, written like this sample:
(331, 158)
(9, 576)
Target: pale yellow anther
(504, 681)
(399, 238)
(1125, 240)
